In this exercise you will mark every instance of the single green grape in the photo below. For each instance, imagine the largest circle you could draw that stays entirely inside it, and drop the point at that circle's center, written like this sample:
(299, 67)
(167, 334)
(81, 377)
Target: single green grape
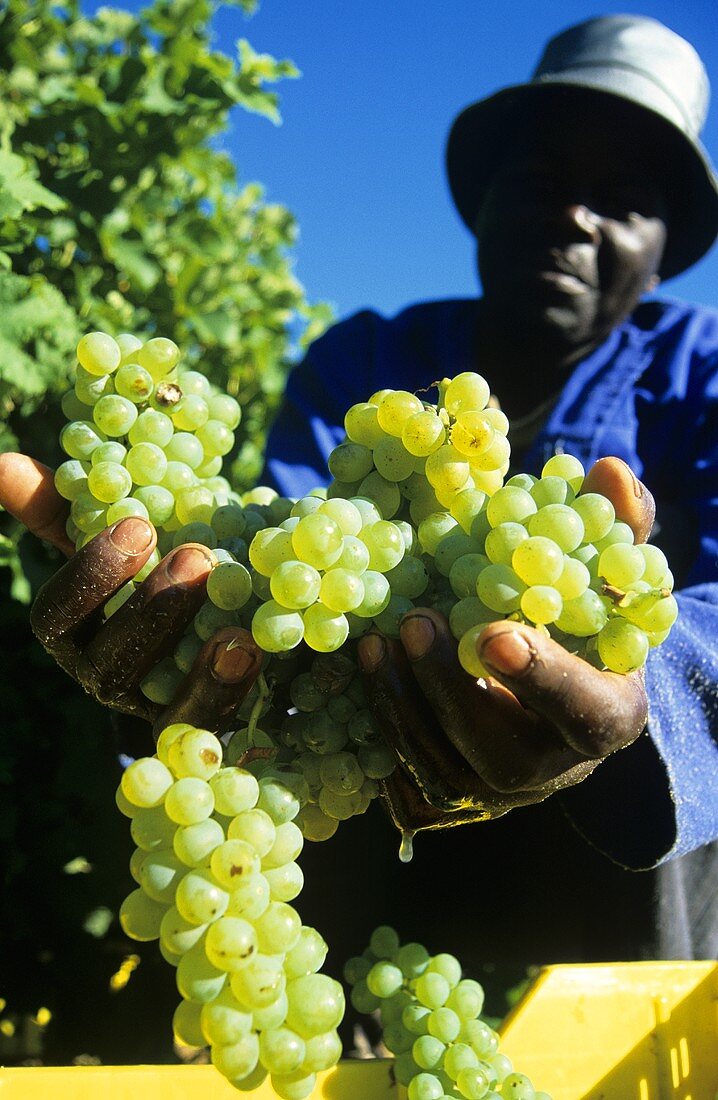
(510, 504)
(622, 646)
(324, 630)
(152, 426)
(98, 353)
(558, 522)
(114, 415)
(134, 382)
(466, 391)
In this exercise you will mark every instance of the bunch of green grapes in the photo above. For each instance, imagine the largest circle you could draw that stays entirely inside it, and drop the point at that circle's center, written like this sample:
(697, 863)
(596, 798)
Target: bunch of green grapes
(315, 723)
(326, 560)
(417, 511)
(216, 868)
(431, 1021)
(543, 553)
(144, 438)
(401, 448)
(319, 721)
(337, 749)
(357, 559)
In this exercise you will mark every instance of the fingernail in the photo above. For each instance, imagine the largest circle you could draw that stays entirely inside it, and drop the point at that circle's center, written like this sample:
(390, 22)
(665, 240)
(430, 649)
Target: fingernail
(418, 636)
(231, 661)
(132, 535)
(507, 652)
(371, 652)
(188, 564)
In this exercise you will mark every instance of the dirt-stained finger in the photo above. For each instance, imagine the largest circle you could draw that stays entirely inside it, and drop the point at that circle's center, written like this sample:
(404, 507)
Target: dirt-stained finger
(511, 748)
(222, 675)
(409, 726)
(146, 627)
(595, 712)
(68, 608)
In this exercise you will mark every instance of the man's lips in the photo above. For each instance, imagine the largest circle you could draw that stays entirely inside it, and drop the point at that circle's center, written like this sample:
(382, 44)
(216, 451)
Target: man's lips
(556, 271)
(578, 265)
(562, 281)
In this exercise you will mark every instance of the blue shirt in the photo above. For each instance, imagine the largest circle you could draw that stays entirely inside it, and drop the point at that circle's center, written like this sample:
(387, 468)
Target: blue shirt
(649, 395)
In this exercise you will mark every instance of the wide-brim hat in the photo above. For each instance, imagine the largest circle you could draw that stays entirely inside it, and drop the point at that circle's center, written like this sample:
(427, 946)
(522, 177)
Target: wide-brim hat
(656, 77)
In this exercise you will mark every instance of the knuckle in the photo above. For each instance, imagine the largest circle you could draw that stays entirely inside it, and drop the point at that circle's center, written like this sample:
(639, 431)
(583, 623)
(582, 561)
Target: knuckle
(63, 652)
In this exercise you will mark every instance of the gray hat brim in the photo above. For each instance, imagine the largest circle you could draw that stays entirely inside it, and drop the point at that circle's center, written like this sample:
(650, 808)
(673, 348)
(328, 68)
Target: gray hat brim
(482, 132)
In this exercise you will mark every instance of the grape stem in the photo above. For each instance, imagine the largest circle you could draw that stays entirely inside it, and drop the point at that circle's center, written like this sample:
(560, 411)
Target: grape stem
(442, 387)
(263, 694)
(426, 389)
(613, 593)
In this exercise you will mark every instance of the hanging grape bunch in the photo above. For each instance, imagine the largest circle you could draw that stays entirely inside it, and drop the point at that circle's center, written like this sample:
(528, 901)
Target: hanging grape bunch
(215, 867)
(144, 439)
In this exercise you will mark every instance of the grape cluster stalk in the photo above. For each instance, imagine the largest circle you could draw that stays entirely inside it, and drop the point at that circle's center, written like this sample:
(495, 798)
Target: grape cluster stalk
(419, 511)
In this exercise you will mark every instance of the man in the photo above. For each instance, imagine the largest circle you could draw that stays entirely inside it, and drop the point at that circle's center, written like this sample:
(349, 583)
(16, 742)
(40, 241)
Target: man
(583, 187)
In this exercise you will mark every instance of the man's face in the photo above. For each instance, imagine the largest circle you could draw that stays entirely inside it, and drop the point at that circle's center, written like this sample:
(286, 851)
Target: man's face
(572, 230)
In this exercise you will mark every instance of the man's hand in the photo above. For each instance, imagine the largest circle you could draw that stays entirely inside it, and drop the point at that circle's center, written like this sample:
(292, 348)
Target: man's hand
(543, 720)
(110, 658)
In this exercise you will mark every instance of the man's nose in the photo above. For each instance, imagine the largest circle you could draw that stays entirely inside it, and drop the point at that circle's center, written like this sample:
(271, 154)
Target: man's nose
(581, 220)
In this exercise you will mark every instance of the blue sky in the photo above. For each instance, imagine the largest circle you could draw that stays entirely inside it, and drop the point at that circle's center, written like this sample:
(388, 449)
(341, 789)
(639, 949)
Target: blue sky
(359, 155)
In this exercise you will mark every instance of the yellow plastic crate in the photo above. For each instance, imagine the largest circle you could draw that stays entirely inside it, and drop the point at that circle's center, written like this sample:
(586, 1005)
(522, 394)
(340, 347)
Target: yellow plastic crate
(626, 1031)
